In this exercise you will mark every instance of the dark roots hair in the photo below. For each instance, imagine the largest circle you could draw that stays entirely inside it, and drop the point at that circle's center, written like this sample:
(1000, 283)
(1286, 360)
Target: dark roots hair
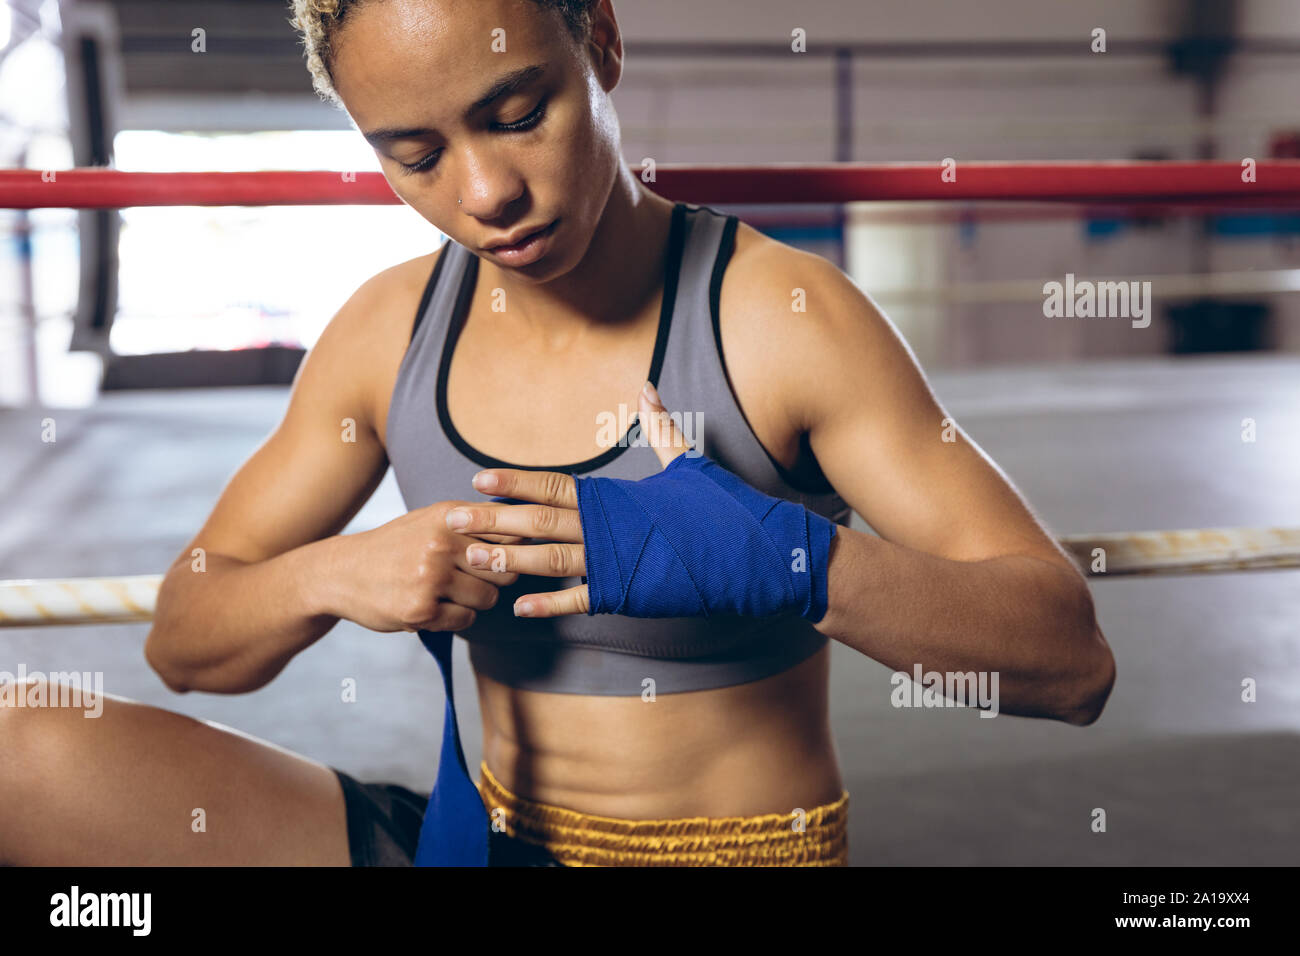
(318, 21)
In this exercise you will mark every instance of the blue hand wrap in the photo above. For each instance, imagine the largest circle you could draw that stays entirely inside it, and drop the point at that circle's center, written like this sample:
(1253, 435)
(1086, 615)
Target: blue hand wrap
(455, 830)
(694, 540)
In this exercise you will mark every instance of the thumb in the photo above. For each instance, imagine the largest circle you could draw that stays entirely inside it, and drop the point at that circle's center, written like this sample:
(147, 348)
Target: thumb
(664, 435)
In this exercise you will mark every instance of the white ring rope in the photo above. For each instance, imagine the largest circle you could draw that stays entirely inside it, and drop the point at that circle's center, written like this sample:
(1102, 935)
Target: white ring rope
(119, 600)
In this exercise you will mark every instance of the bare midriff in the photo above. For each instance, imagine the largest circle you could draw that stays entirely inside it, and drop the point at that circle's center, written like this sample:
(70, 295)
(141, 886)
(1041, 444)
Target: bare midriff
(749, 749)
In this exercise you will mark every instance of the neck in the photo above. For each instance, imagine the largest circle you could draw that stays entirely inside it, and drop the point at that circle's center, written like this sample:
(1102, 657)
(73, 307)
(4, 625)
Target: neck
(621, 269)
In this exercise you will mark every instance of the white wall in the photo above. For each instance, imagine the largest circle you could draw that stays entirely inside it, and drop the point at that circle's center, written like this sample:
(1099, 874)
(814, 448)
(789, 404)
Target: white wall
(1086, 107)
(901, 19)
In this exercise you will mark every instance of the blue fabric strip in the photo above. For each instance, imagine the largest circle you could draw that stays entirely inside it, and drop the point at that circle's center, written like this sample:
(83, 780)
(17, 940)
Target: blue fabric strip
(455, 827)
(455, 830)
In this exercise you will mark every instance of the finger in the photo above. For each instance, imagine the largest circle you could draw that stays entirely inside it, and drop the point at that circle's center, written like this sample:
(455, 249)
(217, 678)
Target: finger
(461, 563)
(440, 509)
(544, 487)
(501, 538)
(574, 600)
(549, 560)
(468, 589)
(665, 437)
(450, 617)
(529, 521)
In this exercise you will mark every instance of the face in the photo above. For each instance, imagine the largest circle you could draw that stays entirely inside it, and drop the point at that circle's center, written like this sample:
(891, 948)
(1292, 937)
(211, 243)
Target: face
(526, 138)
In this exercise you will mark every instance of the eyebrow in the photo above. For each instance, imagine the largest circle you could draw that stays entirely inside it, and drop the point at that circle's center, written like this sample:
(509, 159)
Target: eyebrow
(504, 86)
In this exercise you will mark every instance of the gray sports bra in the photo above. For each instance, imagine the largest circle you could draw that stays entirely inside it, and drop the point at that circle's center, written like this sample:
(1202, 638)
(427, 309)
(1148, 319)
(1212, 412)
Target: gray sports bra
(608, 654)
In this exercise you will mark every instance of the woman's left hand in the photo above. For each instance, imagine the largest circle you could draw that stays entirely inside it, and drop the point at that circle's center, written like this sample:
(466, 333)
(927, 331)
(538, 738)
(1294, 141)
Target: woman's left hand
(553, 519)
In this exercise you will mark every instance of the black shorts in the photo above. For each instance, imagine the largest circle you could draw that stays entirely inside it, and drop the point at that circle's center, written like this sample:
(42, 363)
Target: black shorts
(384, 828)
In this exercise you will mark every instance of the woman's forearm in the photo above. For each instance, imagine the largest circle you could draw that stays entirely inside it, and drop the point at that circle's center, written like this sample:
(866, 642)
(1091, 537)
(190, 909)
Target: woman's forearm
(1027, 620)
(231, 627)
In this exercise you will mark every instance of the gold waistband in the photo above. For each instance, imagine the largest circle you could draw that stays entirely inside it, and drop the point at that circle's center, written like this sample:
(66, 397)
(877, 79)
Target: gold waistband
(816, 837)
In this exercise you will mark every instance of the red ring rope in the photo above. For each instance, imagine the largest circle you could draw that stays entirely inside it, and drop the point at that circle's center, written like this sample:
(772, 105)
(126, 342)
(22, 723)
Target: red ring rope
(1277, 185)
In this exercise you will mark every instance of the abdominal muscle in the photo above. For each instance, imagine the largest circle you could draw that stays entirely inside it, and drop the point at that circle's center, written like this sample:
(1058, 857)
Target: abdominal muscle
(749, 749)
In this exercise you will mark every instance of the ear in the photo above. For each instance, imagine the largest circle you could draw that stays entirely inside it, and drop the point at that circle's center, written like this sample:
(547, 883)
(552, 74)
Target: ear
(605, 45)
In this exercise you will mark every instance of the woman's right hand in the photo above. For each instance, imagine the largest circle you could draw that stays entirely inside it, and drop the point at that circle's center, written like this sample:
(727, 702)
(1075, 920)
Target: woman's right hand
(412, 574)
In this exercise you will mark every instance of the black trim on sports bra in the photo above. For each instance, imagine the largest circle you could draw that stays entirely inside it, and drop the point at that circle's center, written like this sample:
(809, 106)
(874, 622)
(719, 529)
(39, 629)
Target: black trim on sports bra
(807, 475)
(429, 287)
(672, 269)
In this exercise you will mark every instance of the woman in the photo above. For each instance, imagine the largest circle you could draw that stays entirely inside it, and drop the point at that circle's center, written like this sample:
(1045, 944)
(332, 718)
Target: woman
(567, 284)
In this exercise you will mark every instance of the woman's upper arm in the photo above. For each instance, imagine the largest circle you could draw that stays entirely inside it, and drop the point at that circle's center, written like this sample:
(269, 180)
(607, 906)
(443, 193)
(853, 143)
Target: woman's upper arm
(880, 435)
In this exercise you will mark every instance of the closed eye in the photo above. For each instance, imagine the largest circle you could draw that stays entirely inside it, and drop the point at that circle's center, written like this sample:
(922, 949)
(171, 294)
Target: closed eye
(419, 167)
(519, 126)
(528, 122)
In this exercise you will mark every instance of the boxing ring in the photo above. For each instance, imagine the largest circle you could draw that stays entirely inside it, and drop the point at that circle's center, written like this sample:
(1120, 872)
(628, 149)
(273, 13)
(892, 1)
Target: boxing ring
(1182, 184)
(1178, 185)
(1203, 592)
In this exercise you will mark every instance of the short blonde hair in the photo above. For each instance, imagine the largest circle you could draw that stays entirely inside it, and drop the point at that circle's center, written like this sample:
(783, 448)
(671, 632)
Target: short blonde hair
(318, 22)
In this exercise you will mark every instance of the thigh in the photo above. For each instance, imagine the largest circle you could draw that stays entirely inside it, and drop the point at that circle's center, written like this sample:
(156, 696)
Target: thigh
(139, 785)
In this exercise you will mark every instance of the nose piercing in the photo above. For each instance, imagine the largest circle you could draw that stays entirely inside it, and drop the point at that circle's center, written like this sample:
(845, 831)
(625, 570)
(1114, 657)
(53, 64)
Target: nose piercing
(459, 201)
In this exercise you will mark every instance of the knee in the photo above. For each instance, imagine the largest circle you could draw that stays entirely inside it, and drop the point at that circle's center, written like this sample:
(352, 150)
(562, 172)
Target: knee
(42, 746)
(17, 730)
(34, 725)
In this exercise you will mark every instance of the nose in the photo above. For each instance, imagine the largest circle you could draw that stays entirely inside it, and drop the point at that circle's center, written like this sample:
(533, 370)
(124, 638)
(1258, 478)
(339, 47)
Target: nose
(488, 185)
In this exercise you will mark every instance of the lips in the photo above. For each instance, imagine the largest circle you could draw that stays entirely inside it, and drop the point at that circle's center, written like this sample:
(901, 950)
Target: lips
(517, 238)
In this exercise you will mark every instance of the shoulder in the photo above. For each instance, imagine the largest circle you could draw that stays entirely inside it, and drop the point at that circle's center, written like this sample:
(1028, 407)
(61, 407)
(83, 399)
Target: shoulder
(808, 326)
(762, 269)
(364, 343)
